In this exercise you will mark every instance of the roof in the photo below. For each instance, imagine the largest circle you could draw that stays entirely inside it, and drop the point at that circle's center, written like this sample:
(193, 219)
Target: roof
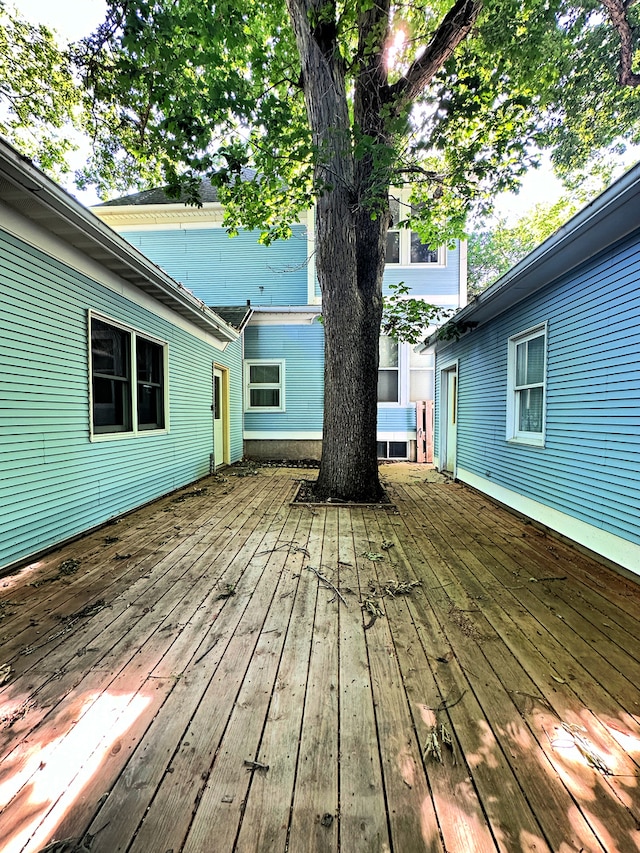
(35, 196)
(158, 195)
(235, 315)
(608, 218)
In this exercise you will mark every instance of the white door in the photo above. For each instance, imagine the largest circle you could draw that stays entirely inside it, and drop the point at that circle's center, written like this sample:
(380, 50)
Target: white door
(218, 418)
(449, 390)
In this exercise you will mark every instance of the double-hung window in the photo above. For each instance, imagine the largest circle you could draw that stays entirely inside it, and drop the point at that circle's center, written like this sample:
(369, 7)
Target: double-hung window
(526, 377)
(264, 385)
(388, 371)
(127, 380)
(404, 247)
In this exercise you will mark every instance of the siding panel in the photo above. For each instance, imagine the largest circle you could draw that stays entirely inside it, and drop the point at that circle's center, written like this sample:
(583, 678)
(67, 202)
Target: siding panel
(54, 482)
(302, 347)
(223, 270)
(590, 465)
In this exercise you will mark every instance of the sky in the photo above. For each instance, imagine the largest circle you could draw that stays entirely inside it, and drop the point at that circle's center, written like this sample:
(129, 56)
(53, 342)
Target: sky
(73, 19)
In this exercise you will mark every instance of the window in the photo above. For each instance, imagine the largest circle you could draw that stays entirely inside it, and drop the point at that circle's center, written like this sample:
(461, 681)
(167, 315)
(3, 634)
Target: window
(149, 377)
(404, 246)
(115, 373)
(264, 386)
(526, 386)
(421, 375)
(392, 450)
(388, 372)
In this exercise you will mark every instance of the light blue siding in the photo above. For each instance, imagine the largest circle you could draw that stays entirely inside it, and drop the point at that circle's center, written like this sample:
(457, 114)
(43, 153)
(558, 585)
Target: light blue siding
(429, 281)
(54, 482)
(426, 281)
(397, 419)
(302, 347)
(590, 465)
(223, 270)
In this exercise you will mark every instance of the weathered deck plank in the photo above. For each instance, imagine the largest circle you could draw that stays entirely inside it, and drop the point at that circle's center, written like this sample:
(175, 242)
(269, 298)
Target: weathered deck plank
(132, 721)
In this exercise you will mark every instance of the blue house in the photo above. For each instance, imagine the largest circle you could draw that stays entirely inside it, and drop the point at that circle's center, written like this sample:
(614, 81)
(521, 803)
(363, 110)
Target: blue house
(117, 385)
(538, 401)
(283, 341)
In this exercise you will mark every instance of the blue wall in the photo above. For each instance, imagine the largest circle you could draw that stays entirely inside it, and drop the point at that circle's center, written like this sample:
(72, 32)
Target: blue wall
(428, 281)
(590, 465)
(54, 482)
(303, 349)
(223, 270)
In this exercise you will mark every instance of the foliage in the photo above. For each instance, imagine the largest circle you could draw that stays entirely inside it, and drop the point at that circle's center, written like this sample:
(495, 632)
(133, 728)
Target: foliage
(592, 118)
(38, 95)
(492, 251)
(405, 318)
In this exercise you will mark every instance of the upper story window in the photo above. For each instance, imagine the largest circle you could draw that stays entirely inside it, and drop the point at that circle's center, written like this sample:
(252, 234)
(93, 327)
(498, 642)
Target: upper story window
(404, 247)
(526, 381)
(388, 371)
(264, 385)
(127, 380)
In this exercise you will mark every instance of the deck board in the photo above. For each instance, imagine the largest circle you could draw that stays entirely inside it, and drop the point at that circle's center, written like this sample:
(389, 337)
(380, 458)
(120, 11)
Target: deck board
(193, 638)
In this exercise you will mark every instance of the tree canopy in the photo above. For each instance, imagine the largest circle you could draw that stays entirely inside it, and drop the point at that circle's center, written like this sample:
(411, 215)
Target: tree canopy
(184, 88)
(495, 249)
(335, 102)
(39, 98)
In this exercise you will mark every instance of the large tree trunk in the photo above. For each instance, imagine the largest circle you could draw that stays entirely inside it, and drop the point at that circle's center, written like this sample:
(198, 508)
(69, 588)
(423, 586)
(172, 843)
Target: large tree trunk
(352, 215)
(349, 263)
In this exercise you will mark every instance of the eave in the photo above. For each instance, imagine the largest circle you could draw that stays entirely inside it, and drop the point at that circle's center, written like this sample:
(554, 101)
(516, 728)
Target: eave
(607, 219)
(33, 195)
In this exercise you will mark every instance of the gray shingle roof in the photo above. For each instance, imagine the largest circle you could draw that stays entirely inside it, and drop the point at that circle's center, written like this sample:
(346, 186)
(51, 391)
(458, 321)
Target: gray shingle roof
(158, 195)
(236, 316)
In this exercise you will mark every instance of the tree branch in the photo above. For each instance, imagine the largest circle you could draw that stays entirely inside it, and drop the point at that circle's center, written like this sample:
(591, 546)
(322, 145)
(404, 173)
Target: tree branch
(617, 10)
(454, 28)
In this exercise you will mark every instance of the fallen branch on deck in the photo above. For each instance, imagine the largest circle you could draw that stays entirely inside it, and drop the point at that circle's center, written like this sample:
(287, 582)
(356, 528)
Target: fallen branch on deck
(327, 583)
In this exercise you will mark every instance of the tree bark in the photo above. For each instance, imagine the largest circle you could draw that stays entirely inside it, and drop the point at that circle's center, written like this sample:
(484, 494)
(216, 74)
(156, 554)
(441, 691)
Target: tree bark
(353, 215)
(617, 10)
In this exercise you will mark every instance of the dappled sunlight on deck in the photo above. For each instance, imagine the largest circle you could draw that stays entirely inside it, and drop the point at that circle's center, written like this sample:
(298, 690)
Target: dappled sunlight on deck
(40, 784)
(242, 674)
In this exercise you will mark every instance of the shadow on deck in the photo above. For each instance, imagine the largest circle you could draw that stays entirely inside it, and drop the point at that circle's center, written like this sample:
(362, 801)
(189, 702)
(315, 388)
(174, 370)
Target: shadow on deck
(189, 680)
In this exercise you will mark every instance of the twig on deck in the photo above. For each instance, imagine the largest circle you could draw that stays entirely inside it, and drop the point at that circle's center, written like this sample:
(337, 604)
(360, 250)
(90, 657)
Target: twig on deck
(446, 704)
(255, 765)
(541, 580)
(204, 654)
(328, 583)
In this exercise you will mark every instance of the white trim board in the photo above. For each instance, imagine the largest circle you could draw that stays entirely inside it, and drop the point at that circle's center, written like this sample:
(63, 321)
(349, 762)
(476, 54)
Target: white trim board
(282, 435)
(614, 548)
(407, 435)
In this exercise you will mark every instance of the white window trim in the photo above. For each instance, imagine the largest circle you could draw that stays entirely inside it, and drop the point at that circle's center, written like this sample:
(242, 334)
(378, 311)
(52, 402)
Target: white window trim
(134, 333)
(402, 195)
(403, 380)
(248, 363)
(514, 435)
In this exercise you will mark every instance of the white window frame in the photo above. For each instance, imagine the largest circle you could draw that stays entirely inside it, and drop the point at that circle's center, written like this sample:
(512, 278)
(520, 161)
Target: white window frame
(515, 435)
(402, 197)
(390, 404)
(134, 334)
(248, 385)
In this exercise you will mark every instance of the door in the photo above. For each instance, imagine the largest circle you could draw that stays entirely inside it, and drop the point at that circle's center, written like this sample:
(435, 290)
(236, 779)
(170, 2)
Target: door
(449, 391)
(219, 411)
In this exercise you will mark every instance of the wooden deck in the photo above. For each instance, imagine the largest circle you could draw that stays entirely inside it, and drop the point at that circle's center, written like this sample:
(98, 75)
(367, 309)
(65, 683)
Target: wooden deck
(494, 707)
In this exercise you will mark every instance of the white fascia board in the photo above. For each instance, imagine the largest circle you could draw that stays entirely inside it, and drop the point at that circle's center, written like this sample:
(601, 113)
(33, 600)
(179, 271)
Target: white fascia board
(284, 316)
(42, 239)
(40, 200)
(282, 435)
